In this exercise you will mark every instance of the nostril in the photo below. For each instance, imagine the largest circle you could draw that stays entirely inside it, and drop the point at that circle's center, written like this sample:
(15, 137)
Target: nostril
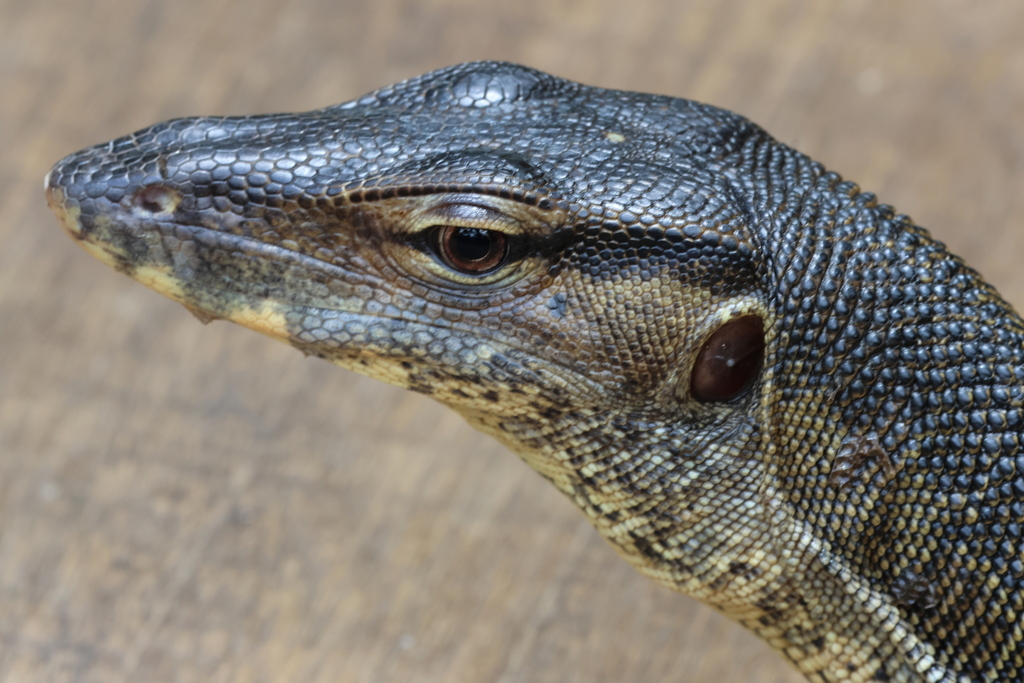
(157, 199)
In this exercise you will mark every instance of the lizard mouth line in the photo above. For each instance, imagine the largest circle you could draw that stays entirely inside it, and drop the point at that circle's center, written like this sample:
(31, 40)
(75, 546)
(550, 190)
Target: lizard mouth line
(177, 288)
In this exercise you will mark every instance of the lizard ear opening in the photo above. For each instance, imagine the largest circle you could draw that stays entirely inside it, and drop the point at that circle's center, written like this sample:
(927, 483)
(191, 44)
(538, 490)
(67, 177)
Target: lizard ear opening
(729, 361)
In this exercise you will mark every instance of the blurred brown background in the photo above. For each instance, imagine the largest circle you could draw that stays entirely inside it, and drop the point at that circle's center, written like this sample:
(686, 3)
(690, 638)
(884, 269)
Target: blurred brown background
(190, 503)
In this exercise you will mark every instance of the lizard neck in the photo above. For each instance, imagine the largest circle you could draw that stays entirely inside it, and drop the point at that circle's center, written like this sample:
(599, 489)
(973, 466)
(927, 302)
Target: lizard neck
(736, 546)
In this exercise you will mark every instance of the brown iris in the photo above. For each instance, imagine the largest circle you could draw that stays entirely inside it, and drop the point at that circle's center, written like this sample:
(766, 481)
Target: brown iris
(470, 250)
(729, 361)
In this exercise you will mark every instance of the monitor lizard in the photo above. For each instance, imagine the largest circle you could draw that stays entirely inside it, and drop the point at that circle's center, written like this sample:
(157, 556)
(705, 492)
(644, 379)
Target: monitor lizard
(767, 390)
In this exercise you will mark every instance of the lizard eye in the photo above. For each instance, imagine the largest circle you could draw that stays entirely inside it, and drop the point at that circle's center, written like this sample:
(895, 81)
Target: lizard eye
(469, 250)
(729, 361)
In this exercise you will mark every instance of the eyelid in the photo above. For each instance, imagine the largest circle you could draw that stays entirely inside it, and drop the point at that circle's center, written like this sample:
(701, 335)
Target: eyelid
(467, 215)
(484, 211)
(458, 211)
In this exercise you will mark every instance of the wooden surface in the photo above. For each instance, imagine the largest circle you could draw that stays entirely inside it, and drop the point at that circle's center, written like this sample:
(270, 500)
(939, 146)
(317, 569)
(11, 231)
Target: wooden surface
(181, 502)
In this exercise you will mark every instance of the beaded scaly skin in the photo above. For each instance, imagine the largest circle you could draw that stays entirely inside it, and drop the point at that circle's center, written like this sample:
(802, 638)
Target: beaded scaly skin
(561, 264)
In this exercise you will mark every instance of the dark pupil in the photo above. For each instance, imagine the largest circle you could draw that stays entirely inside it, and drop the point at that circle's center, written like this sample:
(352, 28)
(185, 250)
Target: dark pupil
(729, 361)
(470, 250)
(470, 244)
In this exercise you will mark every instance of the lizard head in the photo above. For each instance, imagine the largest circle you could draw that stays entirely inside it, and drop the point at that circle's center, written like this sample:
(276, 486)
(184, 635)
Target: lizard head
(754, 379)
(573, 269)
